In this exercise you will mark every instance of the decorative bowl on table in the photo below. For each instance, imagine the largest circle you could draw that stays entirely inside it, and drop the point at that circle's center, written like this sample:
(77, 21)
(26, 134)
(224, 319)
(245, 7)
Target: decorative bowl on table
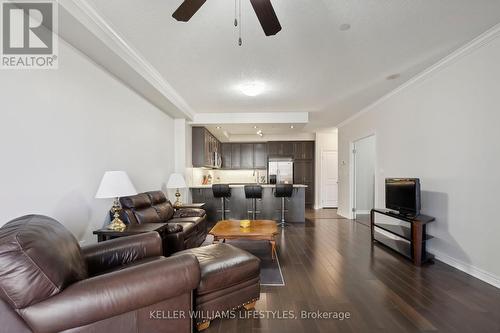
(245, 223)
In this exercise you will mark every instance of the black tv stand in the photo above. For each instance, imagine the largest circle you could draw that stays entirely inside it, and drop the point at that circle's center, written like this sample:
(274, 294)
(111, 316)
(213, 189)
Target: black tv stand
(411, 235)
(397, 214)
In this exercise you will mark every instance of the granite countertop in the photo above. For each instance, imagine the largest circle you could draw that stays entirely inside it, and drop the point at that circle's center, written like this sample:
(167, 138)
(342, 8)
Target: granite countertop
(242, 185)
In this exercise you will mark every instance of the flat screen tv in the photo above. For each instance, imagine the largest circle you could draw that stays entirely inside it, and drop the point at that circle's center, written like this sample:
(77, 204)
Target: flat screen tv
(403, 195)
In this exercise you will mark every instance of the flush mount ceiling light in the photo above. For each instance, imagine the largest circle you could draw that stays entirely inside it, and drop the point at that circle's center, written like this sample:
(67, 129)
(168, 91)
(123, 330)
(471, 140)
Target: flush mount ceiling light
(291, 126)
(252, 88)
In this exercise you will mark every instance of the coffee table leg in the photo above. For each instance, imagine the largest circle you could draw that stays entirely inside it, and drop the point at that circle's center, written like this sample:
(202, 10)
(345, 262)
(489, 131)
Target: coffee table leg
(216, 240)
(273, 249)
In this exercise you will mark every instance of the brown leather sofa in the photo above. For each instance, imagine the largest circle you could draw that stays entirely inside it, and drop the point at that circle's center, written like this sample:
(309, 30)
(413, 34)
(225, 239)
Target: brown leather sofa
(154, 207)
(49, 284)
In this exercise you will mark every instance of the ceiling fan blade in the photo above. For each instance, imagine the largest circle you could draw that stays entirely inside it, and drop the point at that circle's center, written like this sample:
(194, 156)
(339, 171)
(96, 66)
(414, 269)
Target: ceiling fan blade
(187, 9)
(267, 17)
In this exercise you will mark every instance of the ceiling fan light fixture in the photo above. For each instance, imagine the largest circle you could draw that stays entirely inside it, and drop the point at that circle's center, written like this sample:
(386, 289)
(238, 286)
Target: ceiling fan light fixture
(252, 89)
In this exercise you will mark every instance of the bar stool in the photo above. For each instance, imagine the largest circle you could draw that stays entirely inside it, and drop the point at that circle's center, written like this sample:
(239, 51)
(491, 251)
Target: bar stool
(253, 192)
(222, 191)
(283, 191)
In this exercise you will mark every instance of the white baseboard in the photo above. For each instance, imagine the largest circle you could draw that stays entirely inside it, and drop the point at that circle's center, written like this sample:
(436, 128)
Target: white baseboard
(467, 268)
(344, 215)
(364, 212)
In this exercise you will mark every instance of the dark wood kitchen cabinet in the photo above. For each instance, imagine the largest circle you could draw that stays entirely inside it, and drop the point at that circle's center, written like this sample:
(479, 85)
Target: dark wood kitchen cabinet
(244, 155)
(303, 150)
(281, 148)
(260, 155)
(304, 165)
(204, 145)
(273, 148)
(247, 158)
(226, 156)
(303, 172)
(235, 156)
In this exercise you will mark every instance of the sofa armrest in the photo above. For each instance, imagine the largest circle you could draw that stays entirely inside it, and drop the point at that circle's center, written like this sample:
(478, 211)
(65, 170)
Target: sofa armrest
(121, 251)
(189, 212)
(112, 294)
(173, 228)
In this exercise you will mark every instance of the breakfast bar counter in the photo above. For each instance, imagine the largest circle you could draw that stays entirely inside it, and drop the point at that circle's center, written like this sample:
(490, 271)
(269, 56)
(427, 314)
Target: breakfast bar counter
(243, 185)
(268, 207)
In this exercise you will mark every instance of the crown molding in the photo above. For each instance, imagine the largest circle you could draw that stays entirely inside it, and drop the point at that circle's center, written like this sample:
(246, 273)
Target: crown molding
(478, 42)
(87, 15)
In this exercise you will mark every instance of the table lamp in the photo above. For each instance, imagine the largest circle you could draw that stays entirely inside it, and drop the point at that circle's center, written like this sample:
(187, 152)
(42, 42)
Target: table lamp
(177, 181)
(115, 184)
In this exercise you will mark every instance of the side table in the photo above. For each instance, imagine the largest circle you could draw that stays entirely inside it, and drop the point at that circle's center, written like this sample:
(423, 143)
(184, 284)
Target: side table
(105, 234)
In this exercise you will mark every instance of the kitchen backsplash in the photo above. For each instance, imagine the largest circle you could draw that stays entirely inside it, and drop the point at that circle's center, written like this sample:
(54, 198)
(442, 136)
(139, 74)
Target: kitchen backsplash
(228, 176)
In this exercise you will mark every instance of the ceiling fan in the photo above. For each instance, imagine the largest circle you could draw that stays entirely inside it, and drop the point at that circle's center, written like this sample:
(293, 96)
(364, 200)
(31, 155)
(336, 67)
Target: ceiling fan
(263, 9)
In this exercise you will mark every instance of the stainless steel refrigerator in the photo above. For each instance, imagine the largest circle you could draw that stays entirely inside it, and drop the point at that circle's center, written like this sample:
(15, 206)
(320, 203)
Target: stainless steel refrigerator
(280, 170)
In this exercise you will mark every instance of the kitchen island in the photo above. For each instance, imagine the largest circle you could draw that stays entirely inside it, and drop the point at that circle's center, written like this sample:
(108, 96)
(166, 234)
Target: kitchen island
(268, 207)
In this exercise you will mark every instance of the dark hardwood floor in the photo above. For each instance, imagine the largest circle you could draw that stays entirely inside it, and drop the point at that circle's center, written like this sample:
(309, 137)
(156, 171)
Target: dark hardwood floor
(363, 219)
(329, 264)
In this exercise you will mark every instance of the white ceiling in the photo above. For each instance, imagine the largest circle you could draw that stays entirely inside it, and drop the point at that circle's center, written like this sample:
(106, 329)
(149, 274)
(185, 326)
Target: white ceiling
(310, 65)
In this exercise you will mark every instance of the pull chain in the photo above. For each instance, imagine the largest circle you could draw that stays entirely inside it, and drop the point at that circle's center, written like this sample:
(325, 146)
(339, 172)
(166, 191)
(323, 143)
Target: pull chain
(240, 41)
(235, 13)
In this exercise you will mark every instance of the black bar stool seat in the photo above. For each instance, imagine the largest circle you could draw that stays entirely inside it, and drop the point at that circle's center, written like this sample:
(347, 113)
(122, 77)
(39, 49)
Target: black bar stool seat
(253, 192)
(283, 191)
(222, 191)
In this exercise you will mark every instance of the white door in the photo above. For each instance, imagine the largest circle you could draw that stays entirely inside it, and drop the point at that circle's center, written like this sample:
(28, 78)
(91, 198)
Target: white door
(364, 175)
(330, 178)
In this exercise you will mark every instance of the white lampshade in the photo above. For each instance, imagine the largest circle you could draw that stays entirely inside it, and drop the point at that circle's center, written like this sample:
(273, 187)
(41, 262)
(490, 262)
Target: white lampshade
(115, 184)
(176, 180)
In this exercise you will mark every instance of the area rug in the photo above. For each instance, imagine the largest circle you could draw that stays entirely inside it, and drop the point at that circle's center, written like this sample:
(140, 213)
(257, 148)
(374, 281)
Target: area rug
(270, 270)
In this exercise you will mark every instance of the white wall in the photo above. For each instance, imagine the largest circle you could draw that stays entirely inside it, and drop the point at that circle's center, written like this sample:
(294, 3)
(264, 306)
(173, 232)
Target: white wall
(61, 129)
(443, 127)
(324, 141)
(365, 174)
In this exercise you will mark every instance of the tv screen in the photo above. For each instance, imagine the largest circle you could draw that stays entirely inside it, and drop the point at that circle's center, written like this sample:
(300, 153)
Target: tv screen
(403, 195)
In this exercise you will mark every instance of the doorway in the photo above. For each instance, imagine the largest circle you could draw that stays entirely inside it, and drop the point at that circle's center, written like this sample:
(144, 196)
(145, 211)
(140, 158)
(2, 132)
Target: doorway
(364, 178)
(329, 179)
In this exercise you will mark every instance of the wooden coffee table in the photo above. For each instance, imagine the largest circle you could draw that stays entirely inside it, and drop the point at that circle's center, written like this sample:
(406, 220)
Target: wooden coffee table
(258, 230)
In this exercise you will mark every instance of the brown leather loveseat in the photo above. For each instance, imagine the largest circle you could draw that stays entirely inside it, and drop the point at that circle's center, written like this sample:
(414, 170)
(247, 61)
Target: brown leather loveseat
(49, 284)
(154, 207)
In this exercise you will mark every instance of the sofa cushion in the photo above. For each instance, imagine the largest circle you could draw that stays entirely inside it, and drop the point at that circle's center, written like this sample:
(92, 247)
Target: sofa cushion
(38, 258)
(222, 266)
(147, 215)
(195, 220)
(161, 204)
(189, 212)
(164, 210)
(156, 197)
(135, 202)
